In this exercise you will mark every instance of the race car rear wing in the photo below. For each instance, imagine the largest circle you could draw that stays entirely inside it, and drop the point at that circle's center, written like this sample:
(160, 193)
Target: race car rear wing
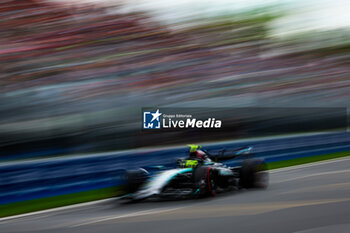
(224, 154)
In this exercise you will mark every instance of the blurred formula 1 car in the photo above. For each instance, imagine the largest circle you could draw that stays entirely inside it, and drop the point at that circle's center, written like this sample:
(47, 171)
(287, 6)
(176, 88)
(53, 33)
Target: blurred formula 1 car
(199, 175)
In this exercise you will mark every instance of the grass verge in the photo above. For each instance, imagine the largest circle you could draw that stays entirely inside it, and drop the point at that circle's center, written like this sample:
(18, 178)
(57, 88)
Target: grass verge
(75, 198)
(57, 201)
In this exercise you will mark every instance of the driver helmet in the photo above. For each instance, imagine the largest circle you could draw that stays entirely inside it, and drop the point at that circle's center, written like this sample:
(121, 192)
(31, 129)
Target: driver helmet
(201, 154)
(196, 153)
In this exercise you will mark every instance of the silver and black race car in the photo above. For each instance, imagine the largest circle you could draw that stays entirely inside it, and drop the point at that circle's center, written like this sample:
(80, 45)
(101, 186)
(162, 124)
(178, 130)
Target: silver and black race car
(199, 175)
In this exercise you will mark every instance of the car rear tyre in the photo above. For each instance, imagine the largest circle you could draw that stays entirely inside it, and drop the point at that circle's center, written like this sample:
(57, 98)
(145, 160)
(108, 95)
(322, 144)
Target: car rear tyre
(254, 174)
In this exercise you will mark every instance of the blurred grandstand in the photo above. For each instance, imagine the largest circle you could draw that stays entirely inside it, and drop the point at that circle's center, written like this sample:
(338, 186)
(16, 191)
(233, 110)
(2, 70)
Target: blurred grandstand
(74, 77)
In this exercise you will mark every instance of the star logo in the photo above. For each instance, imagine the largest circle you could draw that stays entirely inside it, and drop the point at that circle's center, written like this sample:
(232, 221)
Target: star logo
(156, 115)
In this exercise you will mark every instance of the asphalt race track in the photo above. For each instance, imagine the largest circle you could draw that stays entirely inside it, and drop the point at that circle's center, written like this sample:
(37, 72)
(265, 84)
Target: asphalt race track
(311, 198)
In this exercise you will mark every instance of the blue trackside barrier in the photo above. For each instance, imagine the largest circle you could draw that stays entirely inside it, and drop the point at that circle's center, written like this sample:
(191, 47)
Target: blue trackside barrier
(28, 180)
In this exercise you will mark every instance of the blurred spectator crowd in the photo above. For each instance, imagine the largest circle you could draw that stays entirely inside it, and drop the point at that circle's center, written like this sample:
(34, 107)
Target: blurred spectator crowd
(87, 70)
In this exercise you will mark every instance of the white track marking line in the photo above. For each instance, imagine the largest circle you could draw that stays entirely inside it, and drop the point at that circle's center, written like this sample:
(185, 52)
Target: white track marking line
(109, 199)
(312, 175)
(309, 165)
(56, 209)
(136, 214)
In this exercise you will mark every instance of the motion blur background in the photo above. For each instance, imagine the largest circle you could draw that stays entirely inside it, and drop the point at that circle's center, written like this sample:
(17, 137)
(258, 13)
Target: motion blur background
(74, 75)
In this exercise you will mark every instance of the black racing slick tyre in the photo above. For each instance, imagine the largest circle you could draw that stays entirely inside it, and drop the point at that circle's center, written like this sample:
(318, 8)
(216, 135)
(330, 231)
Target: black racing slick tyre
(205, 179)
(254, 174)
(134, 179)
